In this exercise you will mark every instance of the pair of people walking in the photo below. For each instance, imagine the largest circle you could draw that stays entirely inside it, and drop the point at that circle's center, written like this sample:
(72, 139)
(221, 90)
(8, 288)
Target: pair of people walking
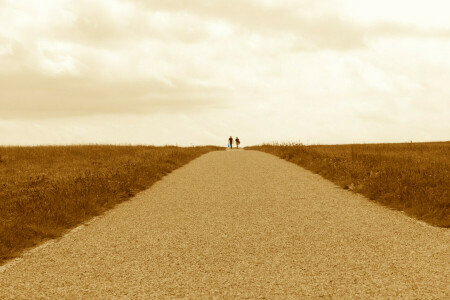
(230, 142)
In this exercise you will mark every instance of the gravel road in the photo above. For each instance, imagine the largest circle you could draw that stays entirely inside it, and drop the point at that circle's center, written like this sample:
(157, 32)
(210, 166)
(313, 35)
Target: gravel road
(239, 224)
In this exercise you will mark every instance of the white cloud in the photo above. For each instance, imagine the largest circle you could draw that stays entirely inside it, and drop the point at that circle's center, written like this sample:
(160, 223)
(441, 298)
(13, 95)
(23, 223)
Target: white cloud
(55, 58)
(220, 29)
(425, 14)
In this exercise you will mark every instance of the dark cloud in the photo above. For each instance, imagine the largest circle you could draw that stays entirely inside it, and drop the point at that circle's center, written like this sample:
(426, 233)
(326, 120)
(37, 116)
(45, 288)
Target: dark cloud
(32, 95)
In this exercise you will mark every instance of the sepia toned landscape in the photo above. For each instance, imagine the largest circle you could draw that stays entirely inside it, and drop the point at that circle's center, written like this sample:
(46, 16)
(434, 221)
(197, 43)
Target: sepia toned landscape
(410, 177)
(47, 190)
(238, 224)
(224, 149)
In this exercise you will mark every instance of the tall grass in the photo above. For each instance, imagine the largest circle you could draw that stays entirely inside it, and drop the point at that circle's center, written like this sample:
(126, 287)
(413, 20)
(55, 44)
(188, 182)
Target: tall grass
(46, 190)
(411, 177)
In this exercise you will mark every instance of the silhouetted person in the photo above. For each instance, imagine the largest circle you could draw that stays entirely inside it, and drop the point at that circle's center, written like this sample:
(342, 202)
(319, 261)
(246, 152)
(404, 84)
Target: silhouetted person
(230, 140)
(237, 142)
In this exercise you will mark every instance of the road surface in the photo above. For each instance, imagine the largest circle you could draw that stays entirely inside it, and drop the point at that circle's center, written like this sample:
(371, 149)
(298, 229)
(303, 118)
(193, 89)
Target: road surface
(239, 224)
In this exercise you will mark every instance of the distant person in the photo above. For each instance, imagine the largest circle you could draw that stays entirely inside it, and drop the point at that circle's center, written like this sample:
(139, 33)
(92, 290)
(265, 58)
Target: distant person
(237, 142)
(230, 141)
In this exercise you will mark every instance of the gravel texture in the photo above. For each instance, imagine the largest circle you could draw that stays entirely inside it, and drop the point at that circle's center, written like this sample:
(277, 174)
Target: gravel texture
(239, 224)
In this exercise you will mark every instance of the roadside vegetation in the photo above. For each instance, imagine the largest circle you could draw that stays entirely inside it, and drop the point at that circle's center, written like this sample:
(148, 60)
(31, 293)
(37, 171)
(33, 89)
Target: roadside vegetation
(411, 177)
(46, 190)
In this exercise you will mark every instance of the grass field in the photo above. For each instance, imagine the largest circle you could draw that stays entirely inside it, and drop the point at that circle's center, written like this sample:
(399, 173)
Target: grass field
(46, 190)
(411, 177)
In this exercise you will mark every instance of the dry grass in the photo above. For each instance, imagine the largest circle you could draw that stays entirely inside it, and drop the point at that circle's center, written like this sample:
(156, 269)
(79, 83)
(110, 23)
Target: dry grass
(412, 177)
(46, 190)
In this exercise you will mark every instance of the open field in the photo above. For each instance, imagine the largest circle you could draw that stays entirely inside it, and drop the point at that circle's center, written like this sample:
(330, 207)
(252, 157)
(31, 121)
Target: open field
(46, 190)
(239, 225)
(412, 177)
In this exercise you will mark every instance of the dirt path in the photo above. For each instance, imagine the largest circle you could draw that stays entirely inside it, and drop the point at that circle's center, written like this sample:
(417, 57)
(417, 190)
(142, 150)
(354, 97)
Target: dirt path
(240, 224)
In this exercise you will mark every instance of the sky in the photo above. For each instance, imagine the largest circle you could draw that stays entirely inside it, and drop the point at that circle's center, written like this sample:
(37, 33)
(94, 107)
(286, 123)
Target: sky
(195, 72)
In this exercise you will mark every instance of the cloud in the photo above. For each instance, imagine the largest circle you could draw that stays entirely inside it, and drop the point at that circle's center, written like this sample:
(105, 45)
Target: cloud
(102, 24)
(36, 96)
(326, 30)
(287, 69)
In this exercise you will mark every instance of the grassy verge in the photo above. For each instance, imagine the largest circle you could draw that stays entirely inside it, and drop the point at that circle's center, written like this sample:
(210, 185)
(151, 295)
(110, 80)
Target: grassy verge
(46, 190)
(412, 177)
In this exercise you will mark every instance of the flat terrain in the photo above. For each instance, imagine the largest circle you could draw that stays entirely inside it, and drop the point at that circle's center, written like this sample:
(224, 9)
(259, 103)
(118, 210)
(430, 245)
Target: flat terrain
(46, 190)
(410, 177)
(239, 224)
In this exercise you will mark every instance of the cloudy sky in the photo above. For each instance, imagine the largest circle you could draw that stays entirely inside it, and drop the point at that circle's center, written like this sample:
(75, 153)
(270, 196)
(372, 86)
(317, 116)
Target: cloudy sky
(197, 71)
